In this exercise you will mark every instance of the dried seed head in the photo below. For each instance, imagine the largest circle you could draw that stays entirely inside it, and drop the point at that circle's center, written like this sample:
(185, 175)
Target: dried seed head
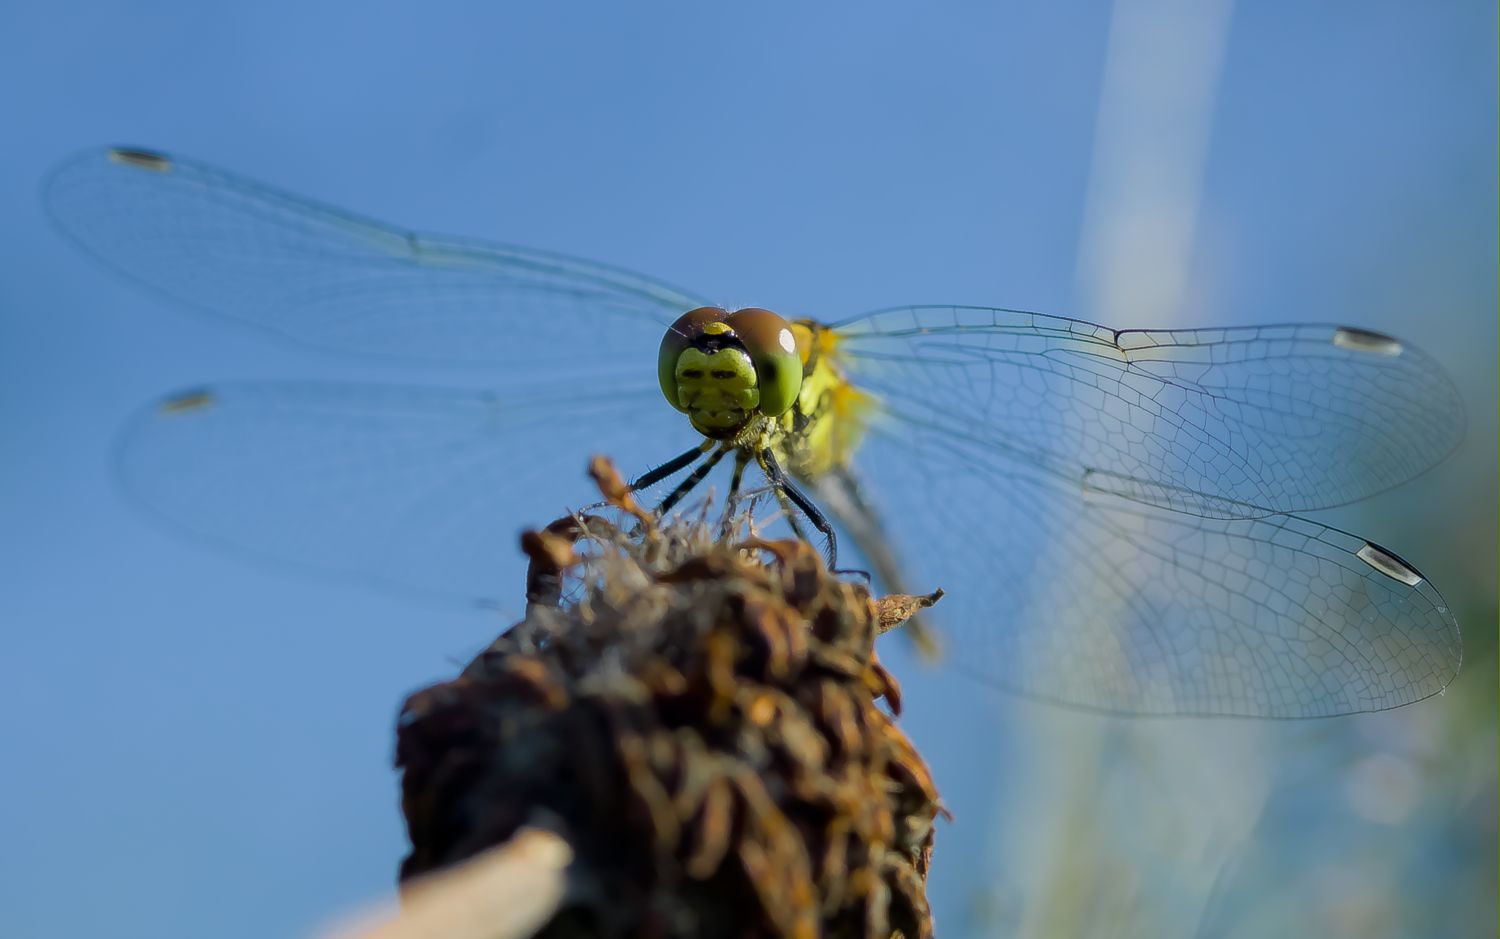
(702, 725)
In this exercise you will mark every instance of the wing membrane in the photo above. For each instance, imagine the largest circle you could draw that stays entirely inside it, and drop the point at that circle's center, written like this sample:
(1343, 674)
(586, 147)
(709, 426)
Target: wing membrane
(332, 279)
(1216, 422)
(417, 487)
(1094, 600)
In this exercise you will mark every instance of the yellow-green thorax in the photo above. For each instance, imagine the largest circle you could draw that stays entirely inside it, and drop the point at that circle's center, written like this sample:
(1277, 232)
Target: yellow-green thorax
(825, 427)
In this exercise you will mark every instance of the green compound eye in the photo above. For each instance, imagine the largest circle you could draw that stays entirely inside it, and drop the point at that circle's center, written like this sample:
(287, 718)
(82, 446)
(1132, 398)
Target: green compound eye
(772, 348)
(679, 339)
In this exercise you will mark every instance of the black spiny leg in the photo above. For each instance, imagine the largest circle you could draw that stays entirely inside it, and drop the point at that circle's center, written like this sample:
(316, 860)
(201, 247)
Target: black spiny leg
(654, 476)
(741, 460)
(777, 481)
(786, 491)
(693, 479)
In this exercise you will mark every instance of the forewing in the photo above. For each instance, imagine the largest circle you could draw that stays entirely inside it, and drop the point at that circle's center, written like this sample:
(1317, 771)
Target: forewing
(415, 487)
(1217, 422)
(1102, 602)
(328, 278)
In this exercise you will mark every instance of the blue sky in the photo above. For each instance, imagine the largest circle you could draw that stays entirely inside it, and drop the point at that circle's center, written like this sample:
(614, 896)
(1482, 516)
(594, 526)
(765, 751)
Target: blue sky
(199, 746)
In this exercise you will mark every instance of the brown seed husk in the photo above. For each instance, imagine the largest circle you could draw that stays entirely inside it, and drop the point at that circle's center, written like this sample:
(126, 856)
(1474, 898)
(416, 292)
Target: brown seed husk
(701, 722)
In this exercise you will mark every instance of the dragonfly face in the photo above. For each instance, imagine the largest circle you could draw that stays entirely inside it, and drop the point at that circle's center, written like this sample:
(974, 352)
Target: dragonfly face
(1113, 513)
(725, 369)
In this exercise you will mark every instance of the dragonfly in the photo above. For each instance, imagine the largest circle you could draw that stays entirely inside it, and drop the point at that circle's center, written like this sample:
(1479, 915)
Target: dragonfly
(1116, 515)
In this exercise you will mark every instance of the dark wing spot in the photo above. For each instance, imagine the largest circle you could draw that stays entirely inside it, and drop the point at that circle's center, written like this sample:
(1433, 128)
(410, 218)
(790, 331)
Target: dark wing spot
(722, 373)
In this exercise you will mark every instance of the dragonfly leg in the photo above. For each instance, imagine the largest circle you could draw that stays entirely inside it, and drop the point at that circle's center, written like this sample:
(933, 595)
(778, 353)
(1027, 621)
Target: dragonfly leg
(693, 479)
(787, 492)
(654, 476)
(741, 460)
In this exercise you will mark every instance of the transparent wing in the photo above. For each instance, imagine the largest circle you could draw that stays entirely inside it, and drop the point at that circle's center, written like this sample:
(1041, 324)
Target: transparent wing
(331, 279)
(415, 487)
(1099, 601)
(1215, 422)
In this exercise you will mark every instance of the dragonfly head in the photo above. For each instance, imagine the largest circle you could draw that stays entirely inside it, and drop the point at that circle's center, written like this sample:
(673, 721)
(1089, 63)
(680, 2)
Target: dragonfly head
(725, 369)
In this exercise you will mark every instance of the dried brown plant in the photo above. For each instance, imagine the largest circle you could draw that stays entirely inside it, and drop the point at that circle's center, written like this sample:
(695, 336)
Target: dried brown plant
(701, 723)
